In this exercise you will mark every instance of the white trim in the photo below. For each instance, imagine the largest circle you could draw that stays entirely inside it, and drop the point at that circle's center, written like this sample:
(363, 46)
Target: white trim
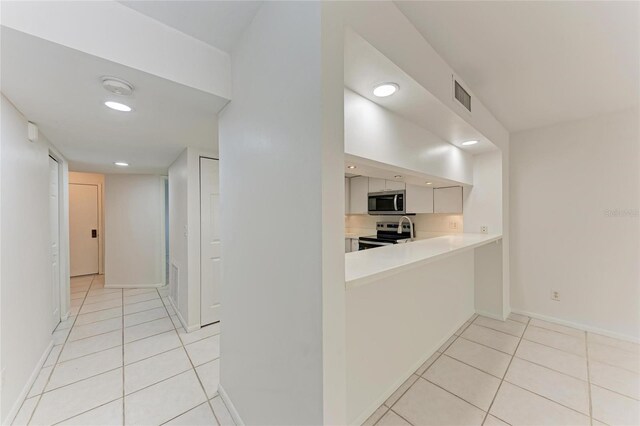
(232, 408)
(187, 328)
(579, 326)
(490, 315)
(27, 387)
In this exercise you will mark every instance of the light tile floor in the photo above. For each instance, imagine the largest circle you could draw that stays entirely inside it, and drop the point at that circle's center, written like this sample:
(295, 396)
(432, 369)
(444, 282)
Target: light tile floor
(520, 371)
(123, 358)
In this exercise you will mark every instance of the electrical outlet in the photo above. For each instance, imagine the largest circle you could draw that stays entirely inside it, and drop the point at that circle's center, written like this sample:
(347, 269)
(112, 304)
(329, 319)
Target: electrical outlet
(484, 229)
(555, 295)
(453, 225)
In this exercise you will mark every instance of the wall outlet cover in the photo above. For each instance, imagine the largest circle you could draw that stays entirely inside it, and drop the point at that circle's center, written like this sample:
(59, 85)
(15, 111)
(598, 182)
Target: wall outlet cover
(555, 295)
(484, 229)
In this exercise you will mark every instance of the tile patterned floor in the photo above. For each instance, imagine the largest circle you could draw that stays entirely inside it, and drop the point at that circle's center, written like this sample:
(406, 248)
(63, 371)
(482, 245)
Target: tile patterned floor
(520, 371)
(122, 357)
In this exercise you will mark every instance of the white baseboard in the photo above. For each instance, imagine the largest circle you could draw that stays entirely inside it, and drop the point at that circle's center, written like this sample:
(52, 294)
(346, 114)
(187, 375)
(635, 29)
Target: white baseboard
(133, 285)
(232, 409)
(186, 327)
(25, 390)
(490, 315)
(579, 326)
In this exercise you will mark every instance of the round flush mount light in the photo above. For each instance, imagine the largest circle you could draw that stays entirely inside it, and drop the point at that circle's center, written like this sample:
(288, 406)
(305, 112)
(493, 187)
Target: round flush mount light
(398, 176)
(385, 89)
(351, 167)
(467, 143)
(121, 163)
(117, 86)
(118, 106)
(429, 183)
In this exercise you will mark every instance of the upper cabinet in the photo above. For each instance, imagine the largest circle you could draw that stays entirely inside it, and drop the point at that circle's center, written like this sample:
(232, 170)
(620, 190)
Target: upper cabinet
(358, 191)
(447, 200)
(419, 199)
(381, 185)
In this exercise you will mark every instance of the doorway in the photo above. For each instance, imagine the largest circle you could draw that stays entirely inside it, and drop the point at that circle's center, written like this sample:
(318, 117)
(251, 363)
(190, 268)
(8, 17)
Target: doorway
(54, 224)
(209, 241)
(83, 228)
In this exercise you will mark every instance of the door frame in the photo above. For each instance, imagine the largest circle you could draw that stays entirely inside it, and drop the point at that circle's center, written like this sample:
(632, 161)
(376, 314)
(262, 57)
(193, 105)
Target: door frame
(100, 184)
(63, 233)
(200, 157)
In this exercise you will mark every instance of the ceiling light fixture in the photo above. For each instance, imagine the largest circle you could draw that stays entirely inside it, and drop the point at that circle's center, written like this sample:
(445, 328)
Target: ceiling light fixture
(118, 106)
(351, 167)
(117, 86)
(429, 183)
(467, 143)
(398, 176)
(121, 164)
(385, 89)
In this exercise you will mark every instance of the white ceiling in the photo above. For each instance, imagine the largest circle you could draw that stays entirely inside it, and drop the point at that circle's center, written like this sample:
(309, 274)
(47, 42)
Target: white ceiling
(365, 67)
(538, 63)
(217, 23)
(60, 90)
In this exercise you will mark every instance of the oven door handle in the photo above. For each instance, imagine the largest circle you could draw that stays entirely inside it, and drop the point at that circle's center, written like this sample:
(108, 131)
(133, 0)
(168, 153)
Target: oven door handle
(395, 202)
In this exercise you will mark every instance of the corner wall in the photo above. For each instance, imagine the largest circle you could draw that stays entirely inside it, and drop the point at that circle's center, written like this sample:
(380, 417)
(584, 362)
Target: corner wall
(25, 271)
(575, 195)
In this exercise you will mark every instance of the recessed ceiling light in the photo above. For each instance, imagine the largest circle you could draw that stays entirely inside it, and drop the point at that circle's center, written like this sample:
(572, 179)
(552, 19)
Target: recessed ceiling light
(385, 89)
(351, 167)
(121, 163)
(398, 176)
(429, 183)
(118, 106)
(469, 143)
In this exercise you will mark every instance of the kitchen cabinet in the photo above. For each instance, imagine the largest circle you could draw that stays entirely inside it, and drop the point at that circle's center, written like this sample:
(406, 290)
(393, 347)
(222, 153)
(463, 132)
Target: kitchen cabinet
(358, 191)
(419, 199)
(347, 198)
(447, 200)
(381, 185)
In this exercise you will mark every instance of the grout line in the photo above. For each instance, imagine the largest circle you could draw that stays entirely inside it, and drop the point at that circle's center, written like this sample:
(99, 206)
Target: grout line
(495, 329)
(505, 373)
(552, 347)
(192, 366)
(468, 365)
(457, 396)
(547, 398)
(53, 368)
(82, 356)
(80, 380)
(191, 409)
(84, 412)
(486, 346)
(155, 383)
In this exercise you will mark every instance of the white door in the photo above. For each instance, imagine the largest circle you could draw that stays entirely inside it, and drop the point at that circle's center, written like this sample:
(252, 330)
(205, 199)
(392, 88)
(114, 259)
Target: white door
(83, 229)
(209, 241)
(54, 224)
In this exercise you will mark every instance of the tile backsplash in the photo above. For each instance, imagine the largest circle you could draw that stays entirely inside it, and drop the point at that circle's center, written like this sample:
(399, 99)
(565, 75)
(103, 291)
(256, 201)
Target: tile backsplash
(425, 225)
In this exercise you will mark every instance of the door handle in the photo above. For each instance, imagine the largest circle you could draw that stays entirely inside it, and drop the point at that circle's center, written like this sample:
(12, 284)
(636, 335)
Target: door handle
(395, 202)
(94, 233)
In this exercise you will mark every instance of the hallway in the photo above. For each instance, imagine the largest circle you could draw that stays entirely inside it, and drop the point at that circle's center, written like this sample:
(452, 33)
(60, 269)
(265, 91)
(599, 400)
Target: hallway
(123, 358)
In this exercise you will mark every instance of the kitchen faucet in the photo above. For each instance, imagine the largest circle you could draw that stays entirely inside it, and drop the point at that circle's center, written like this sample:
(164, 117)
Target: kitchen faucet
(410, 226)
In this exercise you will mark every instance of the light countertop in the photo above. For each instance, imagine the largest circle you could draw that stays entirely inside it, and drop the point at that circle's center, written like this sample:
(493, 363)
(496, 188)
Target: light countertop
(367, 265)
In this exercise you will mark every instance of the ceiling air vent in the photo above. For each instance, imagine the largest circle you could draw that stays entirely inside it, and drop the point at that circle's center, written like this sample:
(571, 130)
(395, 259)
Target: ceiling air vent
(461, 95)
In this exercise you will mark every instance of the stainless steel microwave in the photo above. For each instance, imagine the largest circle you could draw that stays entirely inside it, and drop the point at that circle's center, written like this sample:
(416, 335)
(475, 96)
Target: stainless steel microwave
(388, 202)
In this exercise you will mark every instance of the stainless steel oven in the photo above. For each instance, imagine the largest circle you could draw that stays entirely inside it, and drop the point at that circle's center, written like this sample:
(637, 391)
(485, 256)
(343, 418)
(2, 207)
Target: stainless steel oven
(389, 202)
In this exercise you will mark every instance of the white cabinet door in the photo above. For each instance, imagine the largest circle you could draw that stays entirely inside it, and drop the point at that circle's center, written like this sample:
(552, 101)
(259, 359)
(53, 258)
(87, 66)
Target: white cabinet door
(377, 185)
(394, 185)
(347, 190)
(358, 200)
(210, 260)
(354, 244)
(419, 199)
(447, 200)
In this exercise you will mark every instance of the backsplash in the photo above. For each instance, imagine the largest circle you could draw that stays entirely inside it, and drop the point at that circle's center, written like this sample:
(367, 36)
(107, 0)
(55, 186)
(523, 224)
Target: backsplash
(425, 225)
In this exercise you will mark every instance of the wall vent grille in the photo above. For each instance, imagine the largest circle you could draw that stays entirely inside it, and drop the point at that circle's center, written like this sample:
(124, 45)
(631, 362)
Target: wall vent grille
(462, 96)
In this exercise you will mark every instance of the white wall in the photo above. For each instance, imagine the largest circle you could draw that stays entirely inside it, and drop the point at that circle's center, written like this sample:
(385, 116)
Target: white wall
(134, 230)
(279, 148)
(565, 182)
(95, 179)
(375, 133)
(184, 233)
(26, 299)
(483, 201)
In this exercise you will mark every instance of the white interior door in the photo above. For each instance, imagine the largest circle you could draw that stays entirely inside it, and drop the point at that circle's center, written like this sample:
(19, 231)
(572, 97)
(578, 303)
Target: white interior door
(83, 229)
(209, 241)
(54, 223)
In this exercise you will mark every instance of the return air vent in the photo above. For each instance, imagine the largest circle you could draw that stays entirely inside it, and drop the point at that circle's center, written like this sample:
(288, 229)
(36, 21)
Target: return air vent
(461, 95)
